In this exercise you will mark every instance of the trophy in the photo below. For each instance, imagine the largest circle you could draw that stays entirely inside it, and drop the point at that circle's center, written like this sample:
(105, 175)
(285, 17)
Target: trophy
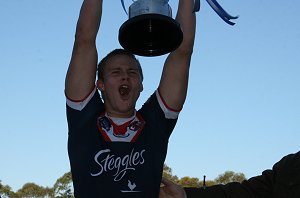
(150, 29)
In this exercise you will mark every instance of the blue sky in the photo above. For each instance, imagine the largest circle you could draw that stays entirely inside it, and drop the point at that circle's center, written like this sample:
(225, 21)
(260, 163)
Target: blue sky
(242, 112)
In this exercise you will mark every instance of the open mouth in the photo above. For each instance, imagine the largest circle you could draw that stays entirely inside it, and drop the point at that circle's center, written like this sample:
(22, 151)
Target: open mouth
(124, 90)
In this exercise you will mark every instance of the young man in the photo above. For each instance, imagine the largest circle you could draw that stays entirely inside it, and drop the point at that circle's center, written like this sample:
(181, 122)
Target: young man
(115, 150)
(282, 181)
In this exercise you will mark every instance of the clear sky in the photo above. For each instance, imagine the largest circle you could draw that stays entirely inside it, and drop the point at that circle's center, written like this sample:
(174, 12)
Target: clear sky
(242, 112)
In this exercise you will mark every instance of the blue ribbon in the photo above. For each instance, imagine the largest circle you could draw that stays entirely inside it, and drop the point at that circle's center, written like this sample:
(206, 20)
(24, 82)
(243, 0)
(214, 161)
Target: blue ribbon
(123, 5)
(221, 12)
(218, 9)
(213, 4)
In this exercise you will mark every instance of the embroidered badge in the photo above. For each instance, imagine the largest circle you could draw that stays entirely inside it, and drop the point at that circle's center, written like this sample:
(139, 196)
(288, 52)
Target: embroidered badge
(127, 132)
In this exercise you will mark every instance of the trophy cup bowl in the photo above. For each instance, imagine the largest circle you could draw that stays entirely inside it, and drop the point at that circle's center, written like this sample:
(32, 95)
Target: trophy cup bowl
(150, 29)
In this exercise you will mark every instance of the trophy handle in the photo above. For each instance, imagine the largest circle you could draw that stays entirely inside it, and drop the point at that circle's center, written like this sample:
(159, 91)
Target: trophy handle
(196, 6)
(170, 11)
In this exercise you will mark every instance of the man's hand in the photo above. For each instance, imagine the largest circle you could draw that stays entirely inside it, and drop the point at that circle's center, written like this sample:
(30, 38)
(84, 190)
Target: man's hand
(171, 190)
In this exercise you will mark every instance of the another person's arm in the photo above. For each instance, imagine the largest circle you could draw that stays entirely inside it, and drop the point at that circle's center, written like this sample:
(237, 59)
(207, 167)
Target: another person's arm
(174, 80)
(171, 190)
(80, 79)
(255, 187)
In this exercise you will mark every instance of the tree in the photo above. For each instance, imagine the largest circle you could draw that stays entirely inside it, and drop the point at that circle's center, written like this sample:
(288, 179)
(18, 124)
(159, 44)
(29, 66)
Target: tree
(230, 176)
(167, 173)
(208, 183)
(5, 191)
(32, 190)
(189, 182)
(63, 187)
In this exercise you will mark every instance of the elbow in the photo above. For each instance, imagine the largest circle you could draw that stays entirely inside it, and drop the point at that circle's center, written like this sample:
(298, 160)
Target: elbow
(187, 46)
(186, 50)
(83, 36)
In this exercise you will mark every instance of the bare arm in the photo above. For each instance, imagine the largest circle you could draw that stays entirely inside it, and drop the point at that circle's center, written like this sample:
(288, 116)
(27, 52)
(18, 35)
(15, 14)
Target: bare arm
(80, 79)
(174, 81)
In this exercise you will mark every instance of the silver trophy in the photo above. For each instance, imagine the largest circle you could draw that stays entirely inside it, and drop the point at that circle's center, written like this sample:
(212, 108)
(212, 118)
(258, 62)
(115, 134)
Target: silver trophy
(150, 29)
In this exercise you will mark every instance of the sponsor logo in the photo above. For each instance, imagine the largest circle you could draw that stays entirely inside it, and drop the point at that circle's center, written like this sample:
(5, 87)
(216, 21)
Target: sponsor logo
(118, 166)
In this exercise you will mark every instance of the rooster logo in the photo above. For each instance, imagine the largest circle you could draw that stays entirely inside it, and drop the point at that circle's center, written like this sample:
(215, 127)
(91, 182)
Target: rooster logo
(131, 185)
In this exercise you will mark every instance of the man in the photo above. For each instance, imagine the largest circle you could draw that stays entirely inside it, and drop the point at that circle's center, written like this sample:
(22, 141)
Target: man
(283, 181)
(115, 150)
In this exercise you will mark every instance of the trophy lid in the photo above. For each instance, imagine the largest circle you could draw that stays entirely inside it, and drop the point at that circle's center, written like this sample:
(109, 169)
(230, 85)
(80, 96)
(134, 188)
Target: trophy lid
(150, 35)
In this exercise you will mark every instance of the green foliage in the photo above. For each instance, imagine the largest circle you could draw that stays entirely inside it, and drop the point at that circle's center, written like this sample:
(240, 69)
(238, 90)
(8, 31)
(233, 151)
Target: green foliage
(189, 182)
(5, 191)
(185, 181)
(32, 190)
(167, 173)
(63, 187)
(208, 183)
(230, 176)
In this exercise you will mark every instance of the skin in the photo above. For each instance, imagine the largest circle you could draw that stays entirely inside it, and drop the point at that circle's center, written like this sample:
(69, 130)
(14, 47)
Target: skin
(121, 84)
(80, 78)
(122, 72)
(171, 190)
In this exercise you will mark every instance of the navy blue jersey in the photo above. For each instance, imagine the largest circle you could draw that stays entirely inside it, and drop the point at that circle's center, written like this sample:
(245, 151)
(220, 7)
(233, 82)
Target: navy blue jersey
(105, 167)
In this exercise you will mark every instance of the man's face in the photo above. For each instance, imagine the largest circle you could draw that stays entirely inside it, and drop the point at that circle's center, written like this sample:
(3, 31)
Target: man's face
(121, 85)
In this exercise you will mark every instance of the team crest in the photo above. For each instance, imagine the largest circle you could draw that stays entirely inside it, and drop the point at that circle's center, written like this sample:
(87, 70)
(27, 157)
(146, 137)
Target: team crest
(127, 132)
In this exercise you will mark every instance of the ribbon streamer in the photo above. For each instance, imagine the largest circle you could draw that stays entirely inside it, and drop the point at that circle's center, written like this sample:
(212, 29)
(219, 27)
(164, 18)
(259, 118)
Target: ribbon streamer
(221, 12)
(123, 5)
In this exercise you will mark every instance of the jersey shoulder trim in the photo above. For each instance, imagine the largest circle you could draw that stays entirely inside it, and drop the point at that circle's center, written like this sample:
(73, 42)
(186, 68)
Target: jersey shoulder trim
(80, 104)
(169, 113)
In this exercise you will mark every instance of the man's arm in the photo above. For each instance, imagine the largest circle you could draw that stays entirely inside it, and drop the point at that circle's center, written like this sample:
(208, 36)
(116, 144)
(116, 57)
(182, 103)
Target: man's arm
(80, 79)
(174, 80)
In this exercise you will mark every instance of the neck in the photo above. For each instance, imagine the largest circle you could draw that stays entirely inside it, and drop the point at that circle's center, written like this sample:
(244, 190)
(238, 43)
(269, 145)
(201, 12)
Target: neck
(121, 114)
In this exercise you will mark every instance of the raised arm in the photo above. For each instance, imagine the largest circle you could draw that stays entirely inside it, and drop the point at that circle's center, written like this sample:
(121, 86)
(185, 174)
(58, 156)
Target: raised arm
(174, 80)
(80, 78)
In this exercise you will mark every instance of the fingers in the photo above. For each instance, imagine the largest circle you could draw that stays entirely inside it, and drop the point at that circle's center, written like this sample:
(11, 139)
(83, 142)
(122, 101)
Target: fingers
(171, 190)
(166, 182)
